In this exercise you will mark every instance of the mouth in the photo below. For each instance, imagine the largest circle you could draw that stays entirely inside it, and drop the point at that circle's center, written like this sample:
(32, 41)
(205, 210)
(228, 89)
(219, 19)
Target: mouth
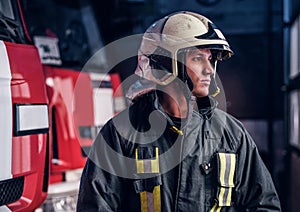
(205, 82)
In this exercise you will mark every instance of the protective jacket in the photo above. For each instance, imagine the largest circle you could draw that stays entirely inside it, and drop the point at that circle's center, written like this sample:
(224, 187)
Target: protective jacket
(142, 160)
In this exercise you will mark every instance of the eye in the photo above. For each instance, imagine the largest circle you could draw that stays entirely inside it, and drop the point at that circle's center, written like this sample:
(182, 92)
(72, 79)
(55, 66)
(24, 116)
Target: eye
(197, 58)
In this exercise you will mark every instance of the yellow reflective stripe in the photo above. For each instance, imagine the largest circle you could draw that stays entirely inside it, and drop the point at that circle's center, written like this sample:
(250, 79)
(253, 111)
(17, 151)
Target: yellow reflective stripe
(222, 168)
(228, 201)
(232, 170)
(144, 205)
(215, 208)
(139, 163)
(227, 163)
(156, 196)
(155, 162)
(221, 196)
(150, 202)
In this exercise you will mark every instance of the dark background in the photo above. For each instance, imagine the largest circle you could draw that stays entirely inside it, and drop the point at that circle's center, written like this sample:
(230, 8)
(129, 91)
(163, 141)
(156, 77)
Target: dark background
(253, 79)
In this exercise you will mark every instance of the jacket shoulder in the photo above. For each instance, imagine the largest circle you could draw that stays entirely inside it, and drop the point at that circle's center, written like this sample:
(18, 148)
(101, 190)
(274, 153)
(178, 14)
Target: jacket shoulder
(233, 130)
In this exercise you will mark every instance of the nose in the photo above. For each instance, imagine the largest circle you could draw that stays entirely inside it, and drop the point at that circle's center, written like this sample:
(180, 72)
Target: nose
(208, 68)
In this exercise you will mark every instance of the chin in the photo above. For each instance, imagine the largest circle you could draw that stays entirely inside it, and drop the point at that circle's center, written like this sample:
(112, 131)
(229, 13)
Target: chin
(200, 94)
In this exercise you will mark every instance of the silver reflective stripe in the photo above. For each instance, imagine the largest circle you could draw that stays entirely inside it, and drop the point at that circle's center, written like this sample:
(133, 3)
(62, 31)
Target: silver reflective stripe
(5, 115)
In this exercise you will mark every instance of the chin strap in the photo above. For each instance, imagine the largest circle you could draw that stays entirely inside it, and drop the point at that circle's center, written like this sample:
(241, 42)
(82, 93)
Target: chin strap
(214, 90)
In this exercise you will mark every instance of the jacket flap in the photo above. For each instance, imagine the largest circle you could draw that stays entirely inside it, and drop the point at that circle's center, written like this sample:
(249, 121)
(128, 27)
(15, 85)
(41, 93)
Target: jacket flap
(147, 184)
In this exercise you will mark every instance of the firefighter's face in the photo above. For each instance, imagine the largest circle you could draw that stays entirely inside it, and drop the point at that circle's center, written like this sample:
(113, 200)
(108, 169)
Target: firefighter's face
(200, 68)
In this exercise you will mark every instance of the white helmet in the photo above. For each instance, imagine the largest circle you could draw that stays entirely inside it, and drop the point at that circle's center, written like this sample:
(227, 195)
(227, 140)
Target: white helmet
(162, 43)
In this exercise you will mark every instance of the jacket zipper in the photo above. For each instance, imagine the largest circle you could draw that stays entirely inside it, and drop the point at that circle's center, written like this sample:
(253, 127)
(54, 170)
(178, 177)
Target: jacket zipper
(179, 174)
(203, 158)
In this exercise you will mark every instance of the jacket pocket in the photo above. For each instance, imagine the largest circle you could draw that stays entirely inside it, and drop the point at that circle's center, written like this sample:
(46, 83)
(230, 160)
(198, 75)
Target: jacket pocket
(226, 179)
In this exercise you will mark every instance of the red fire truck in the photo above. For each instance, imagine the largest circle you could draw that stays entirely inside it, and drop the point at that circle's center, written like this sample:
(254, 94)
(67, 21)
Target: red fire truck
(24, 125)
(51, 111)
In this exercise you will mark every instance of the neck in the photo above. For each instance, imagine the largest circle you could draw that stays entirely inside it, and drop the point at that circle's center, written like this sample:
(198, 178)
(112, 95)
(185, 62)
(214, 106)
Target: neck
(173, 101)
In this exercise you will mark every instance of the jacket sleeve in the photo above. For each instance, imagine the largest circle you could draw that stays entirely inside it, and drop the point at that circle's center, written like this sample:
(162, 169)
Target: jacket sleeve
(95, 194)
(255, 188)
(100, 189)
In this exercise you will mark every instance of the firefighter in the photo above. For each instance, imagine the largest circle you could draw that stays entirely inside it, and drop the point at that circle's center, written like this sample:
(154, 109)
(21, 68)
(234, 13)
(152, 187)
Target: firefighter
(173, 149)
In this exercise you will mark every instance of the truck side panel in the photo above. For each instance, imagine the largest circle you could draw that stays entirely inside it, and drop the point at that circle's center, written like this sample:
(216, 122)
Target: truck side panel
(27, 114)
